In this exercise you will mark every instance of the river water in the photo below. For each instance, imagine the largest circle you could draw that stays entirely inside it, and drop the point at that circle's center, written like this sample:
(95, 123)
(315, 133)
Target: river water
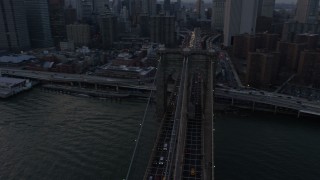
(44, 135)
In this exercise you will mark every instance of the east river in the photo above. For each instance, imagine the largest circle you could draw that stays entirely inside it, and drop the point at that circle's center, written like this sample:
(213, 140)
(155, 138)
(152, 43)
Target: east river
(46, 135)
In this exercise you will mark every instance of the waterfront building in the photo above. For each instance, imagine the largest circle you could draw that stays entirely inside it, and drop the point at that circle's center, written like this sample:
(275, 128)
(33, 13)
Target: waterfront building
(39, 23)
(13, 25)
(307, 11)
(11, 86)
(240, 17)
(126, 72)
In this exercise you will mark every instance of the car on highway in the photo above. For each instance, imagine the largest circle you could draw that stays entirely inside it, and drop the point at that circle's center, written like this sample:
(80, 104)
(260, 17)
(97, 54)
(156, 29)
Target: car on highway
(161, 160)
(165, 146)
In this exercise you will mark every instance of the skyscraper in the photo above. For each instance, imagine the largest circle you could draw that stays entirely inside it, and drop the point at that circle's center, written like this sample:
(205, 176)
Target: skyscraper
(38, 23)
(217, 19)
(307, 11)
(240, 17)
(266, 8)
(200, 9)
(75, 4)
(163, 30)
(152, 7)
(108, 28)
(13, 25)
(100, 6)
(166, 6)
(116, 6)
(57, 20)
(265, 15)
(87, 10)
(79, 34)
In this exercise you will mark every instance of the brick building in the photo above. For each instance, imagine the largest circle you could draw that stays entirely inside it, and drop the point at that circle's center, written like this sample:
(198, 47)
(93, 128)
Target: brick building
(262, 68)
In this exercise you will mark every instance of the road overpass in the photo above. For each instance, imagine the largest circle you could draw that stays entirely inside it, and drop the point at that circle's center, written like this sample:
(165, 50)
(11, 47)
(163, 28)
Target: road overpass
(78, 79)
(275, 102)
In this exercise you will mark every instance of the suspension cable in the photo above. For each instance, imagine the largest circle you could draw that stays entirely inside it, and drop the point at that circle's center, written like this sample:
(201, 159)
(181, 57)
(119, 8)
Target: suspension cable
(142, 122)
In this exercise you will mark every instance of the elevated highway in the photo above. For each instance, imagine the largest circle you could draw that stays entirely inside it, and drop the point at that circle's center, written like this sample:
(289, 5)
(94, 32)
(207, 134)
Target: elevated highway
(80, 79)
(267, 100)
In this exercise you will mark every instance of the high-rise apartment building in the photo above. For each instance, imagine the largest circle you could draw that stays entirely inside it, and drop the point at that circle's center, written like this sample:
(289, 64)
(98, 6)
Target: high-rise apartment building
(13, 25)
(262, 69)
(240, 17)
(163, 30)
(307, 11)
(39, 23)
(308, 69)
(217, 20)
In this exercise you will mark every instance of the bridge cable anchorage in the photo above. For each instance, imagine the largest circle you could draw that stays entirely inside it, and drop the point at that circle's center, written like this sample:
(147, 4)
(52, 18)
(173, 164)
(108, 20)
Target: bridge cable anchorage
(142, 123)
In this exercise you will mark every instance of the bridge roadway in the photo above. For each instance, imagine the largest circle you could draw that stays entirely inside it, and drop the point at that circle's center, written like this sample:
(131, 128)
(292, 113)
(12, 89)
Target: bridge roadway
(184, 145)
(79, 78)
(275, 99)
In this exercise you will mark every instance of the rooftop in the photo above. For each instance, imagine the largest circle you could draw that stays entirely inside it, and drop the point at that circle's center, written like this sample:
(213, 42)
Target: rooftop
(8, 82)
(16, 58)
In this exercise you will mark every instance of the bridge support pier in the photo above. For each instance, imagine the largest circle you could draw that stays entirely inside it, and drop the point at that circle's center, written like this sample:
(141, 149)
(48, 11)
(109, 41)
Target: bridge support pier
(232, 101)
(275, 109)
(298, 114)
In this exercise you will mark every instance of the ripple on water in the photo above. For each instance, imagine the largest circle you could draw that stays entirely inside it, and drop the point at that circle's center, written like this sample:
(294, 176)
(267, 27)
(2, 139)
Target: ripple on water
(53, 136)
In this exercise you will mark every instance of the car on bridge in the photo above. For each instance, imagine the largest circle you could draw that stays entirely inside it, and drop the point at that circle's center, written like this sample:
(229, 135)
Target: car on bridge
(161, 160)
